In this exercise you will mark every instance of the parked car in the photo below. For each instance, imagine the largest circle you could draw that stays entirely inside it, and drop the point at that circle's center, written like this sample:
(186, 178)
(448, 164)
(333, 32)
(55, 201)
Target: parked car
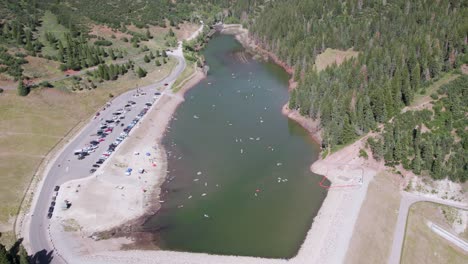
(157, 93)
(96, 165)
(78, 151)
(92, 170)
(49, 215)
(51, 209)
(56, 188)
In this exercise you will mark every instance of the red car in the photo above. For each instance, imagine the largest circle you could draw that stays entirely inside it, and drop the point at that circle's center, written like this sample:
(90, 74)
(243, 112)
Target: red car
(108, 130)
(101, 139)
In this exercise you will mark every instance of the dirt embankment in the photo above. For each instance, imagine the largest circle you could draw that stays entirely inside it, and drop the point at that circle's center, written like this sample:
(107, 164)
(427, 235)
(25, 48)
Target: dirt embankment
(311, 125)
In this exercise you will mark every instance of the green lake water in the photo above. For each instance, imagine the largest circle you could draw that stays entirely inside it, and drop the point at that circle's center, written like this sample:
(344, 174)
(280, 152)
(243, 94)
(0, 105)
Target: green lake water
(229, 140)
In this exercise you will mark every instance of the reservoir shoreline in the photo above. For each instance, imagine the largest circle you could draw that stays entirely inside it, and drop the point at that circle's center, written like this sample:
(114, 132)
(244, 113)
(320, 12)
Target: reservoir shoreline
(326, 240)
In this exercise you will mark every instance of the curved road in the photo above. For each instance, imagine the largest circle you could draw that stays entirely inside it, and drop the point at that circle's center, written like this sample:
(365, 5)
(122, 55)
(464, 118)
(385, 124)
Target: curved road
(67, 167)
(408, 199)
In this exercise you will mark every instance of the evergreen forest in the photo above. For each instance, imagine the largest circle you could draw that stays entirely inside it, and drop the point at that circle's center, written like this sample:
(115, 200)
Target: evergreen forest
(404, 46)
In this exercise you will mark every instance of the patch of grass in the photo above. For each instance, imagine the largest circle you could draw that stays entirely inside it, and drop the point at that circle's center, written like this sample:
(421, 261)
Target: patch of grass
(71, 225)
(50, 24)
(432, 89)
(41, 69)
(421, 244)
(331, 56)
(7, 239)
(184, 77)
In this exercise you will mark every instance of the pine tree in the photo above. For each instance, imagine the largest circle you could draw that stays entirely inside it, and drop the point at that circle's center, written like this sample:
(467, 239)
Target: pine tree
(111, 54)
(164, 54)
(141, 72)
(292, 99)
(415, 77)
(148, 34)
(23, 90)
(106, 75)
(146, 59)
(348, 131)
(416, 163)
(171, 33)
(157, 63)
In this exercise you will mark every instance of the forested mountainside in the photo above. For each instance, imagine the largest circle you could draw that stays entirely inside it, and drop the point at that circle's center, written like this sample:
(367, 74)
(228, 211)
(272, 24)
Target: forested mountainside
(150, 12)
(434, 141)
(20, 22)
(403, 47)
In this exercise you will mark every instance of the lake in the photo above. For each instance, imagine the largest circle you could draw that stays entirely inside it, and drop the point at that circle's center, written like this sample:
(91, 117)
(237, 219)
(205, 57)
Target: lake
(239, 181)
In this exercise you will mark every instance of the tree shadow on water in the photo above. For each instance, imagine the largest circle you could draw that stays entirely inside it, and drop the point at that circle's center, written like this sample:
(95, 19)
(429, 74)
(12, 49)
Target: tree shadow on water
(42, 257)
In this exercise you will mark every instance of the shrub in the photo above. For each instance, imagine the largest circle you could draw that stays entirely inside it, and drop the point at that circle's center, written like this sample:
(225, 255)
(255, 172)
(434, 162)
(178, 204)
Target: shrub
(46, 84)
(363, 154)
(103, 42)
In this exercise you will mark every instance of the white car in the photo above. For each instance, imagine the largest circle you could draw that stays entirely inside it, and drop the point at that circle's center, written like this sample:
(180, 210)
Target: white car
(78, 151)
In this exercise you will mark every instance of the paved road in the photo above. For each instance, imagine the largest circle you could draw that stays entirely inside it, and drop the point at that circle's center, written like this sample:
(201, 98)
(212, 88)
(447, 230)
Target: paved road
(67, 167)
(408, 199)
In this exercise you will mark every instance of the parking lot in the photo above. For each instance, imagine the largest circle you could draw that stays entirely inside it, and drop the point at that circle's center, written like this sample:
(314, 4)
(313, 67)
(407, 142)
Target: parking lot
(108, 129)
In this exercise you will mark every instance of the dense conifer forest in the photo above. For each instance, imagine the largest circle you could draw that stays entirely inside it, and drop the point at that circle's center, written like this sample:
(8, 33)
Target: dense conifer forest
(403, 47)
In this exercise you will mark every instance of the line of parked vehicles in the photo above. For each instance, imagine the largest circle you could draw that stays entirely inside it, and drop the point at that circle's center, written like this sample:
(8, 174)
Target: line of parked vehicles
(108, 126)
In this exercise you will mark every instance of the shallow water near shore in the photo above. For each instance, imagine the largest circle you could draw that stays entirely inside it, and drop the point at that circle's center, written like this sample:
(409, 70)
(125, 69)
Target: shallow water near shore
(239, 181)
